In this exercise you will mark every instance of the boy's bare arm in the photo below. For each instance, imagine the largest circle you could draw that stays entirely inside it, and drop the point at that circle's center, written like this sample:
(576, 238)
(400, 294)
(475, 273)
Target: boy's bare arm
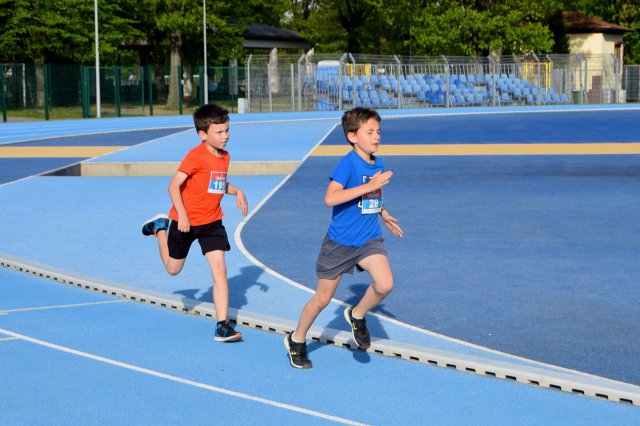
(176, 198)
(241, 199)
(336, 194)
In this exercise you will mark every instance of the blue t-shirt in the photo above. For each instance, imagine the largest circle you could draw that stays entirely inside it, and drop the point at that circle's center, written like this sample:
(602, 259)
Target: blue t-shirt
(354, 223)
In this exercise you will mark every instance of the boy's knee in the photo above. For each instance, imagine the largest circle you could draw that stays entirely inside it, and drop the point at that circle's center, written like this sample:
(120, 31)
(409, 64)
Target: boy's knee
(322, 301)
(174, 270)
(384, 287)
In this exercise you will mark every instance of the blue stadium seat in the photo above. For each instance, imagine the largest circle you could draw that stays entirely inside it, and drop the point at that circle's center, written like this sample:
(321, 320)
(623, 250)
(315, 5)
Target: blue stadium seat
(468, 99)
(517, 94)
(505, 99)
(384, 82)
(457, 100)
(375, 99)
(384, 98)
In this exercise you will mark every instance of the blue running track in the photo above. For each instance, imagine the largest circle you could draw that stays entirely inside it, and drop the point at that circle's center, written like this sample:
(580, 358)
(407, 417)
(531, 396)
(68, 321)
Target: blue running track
(523, 261)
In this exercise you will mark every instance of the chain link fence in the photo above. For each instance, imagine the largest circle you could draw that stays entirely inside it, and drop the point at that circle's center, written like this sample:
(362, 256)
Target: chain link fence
(309, 82)
(631, 83)
(334, 82)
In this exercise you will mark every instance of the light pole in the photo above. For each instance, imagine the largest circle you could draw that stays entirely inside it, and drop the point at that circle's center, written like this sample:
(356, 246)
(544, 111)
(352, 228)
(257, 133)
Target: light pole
(204, 32)
(95, 17)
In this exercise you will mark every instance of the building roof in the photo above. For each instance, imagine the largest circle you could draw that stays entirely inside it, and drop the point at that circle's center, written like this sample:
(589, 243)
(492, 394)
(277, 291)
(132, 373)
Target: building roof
(263, 36)
(576, 22)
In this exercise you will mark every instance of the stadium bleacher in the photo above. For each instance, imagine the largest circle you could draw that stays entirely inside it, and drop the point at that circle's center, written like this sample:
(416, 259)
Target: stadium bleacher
(459, 90)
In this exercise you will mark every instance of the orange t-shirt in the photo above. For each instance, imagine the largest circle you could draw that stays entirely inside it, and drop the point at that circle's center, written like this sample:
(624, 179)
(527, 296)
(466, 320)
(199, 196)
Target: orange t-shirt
(204, 188)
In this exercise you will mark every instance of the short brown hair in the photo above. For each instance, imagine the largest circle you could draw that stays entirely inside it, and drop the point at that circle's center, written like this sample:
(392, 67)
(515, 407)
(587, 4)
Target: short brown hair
(209, 114)
(353, 119)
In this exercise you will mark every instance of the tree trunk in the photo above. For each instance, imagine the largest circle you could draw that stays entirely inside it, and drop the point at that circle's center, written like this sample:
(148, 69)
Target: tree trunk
(40, 91)
(174, 78)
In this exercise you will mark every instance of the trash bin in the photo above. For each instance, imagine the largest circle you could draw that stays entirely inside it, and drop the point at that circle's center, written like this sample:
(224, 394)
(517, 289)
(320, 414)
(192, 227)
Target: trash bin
(577, 97)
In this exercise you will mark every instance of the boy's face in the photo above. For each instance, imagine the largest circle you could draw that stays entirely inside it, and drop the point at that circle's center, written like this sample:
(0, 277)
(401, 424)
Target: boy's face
(216, 135)
(367, 138)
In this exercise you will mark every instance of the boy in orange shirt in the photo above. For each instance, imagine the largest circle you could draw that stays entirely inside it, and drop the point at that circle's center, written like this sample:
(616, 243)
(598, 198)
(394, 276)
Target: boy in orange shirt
(196, 191)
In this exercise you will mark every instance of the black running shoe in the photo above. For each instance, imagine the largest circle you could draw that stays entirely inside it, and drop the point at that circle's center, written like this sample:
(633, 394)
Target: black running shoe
(358, 329)
(297, 353)
(226, 333)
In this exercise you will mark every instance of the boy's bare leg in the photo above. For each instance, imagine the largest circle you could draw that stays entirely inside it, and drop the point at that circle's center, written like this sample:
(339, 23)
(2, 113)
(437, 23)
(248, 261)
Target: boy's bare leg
(218, 268)
(321, 298)
(173, 266)
(377, 265)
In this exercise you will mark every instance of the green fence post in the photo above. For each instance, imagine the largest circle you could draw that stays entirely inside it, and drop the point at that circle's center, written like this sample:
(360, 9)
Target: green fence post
(85, 92)
(141, 82)
(180, 88)
(150, 81)
(116, 82)
(4, 96)
(47, 91)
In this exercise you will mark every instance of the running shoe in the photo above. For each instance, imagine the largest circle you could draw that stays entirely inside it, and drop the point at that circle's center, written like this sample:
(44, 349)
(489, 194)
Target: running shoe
(226, 333)
(358, 329)
(155, 224)
(297, 353)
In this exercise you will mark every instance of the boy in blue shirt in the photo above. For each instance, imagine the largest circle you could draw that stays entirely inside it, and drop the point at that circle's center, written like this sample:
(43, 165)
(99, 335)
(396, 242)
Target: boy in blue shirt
(354, 238)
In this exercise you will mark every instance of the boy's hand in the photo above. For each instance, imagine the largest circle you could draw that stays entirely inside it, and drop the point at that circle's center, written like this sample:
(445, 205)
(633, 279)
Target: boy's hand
(183, 224)
(380, 179)
(242, 203)
(391, 223)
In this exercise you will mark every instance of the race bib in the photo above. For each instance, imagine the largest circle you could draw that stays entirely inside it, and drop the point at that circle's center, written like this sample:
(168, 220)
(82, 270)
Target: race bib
(371, 202)
(218, 183)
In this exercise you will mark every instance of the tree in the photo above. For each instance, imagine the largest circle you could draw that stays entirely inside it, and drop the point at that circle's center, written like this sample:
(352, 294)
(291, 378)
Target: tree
(37, 31)
(177, 19)
(354, 26)
(58, 31)
(478, 28)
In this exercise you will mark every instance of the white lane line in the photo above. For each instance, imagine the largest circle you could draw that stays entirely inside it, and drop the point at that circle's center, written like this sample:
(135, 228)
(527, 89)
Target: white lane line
(43, 308)
(181, 380)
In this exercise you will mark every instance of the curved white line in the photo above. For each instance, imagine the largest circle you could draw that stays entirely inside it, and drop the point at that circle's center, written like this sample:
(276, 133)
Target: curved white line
(240, 245)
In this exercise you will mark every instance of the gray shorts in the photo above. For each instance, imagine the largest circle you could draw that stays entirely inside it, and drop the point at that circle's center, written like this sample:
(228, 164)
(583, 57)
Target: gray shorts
(335, 259)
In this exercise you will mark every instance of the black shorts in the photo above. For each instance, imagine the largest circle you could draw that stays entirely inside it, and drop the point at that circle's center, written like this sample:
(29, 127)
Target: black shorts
(335, 259)
(211, 237)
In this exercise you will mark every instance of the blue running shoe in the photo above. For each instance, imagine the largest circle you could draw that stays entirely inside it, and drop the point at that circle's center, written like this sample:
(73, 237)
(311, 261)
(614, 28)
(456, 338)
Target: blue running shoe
(226, 333)
(155, 224)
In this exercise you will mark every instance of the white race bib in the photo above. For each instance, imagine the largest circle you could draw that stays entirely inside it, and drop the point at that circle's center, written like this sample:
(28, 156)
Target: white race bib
(371, 201)
(218, 183)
